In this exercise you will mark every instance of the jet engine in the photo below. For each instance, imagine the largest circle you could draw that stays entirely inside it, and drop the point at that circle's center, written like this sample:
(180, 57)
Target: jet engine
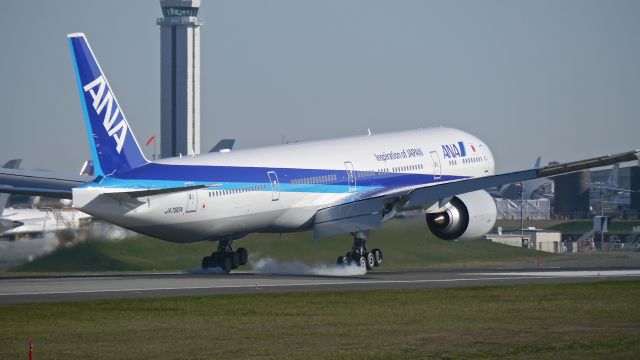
(466, 216)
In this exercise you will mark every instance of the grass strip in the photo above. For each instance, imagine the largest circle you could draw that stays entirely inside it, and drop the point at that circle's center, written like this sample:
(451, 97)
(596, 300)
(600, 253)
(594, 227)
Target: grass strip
(574, 321)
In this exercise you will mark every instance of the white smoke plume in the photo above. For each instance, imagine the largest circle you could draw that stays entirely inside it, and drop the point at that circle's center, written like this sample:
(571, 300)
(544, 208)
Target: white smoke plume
(13, 253)
(271, 266)
(99, 230)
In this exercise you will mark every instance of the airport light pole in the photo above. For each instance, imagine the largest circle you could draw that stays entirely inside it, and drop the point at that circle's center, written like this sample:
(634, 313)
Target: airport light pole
(602, 214)
(522, 211)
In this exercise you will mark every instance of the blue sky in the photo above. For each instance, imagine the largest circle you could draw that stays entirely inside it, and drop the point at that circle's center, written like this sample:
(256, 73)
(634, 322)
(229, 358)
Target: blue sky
(557, 79)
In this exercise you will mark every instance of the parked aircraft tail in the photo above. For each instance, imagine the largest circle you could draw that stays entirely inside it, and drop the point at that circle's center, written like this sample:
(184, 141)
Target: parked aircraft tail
(612, 181)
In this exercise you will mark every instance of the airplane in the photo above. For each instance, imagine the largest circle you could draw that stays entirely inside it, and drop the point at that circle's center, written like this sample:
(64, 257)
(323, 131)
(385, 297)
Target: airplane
(36, 222)
(6, 223)
(348, 185)
(17, 223)
(531, 190)
(609, 193)
(538, 188)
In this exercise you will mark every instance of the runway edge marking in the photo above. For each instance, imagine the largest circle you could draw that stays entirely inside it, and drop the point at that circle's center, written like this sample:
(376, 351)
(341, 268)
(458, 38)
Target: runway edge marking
(343, 283)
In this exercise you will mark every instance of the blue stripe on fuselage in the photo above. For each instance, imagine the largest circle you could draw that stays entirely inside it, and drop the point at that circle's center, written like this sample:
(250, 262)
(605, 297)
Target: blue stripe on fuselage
(233, 177)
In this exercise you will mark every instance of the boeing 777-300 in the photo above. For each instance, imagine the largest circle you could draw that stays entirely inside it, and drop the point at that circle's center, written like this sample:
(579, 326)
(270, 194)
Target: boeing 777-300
(348, 185)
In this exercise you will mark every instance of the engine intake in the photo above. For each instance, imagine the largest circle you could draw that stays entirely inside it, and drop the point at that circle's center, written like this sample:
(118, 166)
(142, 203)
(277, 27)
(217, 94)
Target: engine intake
(466, 216)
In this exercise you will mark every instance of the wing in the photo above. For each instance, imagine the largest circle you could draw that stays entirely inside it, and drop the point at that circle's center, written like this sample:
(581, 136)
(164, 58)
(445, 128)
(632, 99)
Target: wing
(371, 212)
(39, 183)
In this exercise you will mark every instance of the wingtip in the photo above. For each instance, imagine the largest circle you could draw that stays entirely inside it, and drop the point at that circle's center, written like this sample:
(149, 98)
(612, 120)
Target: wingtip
(73, 35)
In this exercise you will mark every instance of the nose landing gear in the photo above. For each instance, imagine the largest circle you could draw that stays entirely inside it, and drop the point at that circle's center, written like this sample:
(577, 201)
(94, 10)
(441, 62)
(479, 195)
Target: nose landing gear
(225, 258)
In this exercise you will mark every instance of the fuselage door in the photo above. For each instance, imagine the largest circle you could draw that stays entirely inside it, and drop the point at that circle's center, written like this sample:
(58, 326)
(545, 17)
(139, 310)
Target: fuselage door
(275, 185)
(437, 169)
(351, 176)
(485, 158)
(192, 199)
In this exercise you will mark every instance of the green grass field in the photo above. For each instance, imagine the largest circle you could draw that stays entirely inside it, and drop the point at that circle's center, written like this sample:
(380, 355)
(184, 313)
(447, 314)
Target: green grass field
(581, 321)
(406, 244)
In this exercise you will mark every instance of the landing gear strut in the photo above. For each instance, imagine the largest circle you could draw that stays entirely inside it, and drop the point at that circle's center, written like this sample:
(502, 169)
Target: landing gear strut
(225, 258)
(359, 255)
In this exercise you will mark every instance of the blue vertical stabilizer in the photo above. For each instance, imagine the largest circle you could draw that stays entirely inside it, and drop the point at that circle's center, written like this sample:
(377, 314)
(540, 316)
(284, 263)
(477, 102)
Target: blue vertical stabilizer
(114, 149)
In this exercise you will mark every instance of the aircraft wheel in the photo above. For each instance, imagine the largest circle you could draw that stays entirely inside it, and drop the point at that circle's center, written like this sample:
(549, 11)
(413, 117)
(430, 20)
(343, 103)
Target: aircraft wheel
(371, 262)
(362, 262)
(235, 259)
(342, 261)
(206, 262)
(377, 256)
(244, 256)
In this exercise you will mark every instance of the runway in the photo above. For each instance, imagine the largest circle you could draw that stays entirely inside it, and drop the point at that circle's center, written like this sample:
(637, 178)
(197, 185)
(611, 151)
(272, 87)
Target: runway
(103, 287)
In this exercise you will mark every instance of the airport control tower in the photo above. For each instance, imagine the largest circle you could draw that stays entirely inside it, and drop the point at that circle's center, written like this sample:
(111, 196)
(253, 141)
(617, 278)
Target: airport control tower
(179, 78)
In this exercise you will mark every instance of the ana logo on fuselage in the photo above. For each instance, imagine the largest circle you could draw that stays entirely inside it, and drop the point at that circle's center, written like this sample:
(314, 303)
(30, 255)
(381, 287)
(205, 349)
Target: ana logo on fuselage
(452, 151)
(102, 101)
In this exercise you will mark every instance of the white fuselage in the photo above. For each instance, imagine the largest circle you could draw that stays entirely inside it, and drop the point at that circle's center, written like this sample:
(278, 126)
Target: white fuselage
(285, 185)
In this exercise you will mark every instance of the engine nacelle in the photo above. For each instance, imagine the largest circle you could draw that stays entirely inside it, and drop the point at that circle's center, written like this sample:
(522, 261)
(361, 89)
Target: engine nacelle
(467, 216)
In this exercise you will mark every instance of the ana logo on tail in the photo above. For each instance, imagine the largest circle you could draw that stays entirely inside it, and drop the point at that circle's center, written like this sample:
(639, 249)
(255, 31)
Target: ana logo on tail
(102, 100)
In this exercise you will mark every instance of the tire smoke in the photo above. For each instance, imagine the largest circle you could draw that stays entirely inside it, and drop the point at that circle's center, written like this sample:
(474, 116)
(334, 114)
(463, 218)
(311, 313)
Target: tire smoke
(14, 253)
(271, 266)
(99, 230)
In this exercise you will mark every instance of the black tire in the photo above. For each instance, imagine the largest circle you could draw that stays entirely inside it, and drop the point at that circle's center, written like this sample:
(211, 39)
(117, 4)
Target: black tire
(371, 262)
(349, 257)
(226, 264)
(377, 255)
(342, 261)
(235, 259)
(244, 256)
(206, 262)
(362, 263)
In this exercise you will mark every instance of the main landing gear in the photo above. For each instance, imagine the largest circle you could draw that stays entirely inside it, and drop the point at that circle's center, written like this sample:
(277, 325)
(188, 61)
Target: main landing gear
(359, 255)
(225, 258)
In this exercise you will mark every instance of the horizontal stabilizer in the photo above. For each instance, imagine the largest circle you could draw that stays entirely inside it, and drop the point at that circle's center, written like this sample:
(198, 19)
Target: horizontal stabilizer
(125, 195)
